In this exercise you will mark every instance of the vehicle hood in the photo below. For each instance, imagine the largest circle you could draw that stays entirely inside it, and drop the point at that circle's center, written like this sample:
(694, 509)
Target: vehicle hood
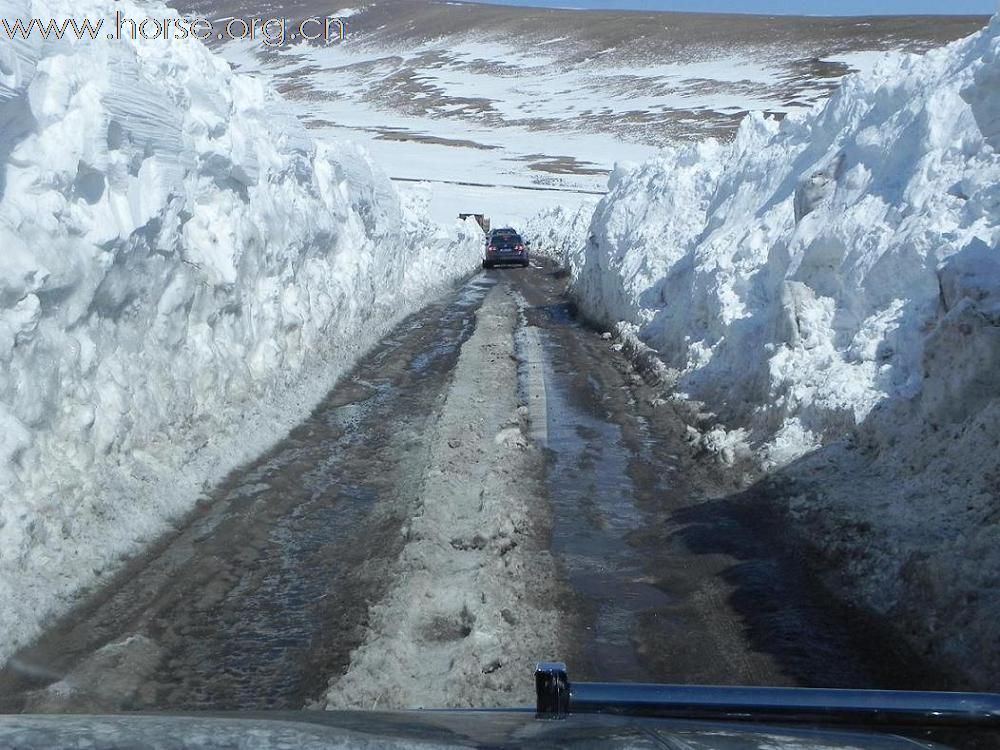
(321, 730)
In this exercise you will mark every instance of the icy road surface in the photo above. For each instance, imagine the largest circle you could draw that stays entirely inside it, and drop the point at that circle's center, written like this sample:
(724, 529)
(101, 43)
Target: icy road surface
(491, 485)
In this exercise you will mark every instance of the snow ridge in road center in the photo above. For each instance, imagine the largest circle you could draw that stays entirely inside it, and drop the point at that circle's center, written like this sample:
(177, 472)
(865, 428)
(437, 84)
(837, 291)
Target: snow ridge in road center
(470, 611)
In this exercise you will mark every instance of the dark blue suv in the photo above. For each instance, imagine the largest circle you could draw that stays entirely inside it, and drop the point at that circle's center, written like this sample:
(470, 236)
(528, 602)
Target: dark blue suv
(505, 246)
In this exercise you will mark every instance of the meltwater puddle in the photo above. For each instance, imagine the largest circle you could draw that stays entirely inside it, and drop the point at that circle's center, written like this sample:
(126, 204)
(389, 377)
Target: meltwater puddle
(593, 506)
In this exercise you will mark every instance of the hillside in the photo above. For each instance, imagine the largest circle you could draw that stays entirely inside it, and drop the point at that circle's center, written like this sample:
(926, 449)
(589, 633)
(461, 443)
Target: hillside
(481, 100)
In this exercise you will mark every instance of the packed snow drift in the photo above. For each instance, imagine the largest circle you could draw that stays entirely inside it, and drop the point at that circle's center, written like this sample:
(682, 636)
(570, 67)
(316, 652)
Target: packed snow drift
(835, 276)
(183, 274)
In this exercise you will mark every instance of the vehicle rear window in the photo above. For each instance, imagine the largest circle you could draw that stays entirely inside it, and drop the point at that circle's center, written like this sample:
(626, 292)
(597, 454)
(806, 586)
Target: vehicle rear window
(506, 240)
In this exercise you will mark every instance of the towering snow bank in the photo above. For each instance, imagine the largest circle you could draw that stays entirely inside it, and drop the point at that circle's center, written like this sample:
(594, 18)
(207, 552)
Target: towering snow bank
(837, 275)
(183, 272)
(792, 276)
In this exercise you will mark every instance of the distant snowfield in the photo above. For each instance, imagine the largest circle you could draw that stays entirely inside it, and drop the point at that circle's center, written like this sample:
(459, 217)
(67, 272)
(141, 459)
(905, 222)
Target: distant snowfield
(440, 150)
(488, 109)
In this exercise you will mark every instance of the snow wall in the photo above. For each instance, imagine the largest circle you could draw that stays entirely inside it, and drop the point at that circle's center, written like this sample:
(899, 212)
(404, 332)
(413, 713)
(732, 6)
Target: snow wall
(183, 274)
(829, 287)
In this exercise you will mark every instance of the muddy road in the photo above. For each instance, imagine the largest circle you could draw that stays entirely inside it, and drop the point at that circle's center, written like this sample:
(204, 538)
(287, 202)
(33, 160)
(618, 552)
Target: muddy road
(493, 484)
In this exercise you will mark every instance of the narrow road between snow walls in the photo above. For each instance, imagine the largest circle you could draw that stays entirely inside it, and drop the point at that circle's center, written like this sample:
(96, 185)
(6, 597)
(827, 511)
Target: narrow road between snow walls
(492, 485)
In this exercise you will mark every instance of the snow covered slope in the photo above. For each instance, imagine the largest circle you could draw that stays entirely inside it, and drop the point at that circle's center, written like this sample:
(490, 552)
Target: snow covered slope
(183, 273)
(838, 274)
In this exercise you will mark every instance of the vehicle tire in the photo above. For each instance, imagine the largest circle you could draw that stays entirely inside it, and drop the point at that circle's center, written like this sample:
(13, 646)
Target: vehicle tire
(487, 266)
(526, 264)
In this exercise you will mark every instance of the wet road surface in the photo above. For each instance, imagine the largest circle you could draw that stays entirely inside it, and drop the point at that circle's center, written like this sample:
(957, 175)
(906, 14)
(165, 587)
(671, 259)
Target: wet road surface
(668, 572)
(682, 577)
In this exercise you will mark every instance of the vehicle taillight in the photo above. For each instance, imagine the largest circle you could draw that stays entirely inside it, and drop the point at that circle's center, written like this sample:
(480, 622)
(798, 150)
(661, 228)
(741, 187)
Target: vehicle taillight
(519, 248)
